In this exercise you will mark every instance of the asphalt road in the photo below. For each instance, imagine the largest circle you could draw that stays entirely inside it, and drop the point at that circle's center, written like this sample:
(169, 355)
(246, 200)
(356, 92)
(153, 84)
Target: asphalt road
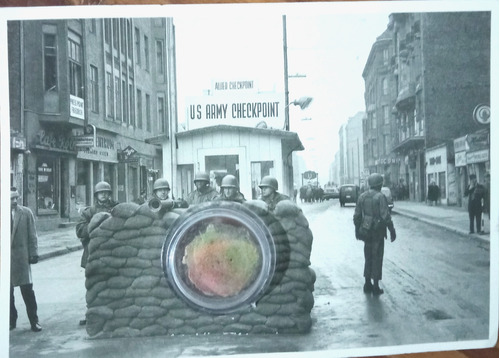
(436, 292)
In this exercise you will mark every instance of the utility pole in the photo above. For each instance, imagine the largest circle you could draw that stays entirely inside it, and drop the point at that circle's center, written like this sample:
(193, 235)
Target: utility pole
(285, 58)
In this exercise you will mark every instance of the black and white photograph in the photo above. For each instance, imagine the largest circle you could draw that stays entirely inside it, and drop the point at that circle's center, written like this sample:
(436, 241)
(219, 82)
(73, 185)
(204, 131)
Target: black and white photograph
(272, 180)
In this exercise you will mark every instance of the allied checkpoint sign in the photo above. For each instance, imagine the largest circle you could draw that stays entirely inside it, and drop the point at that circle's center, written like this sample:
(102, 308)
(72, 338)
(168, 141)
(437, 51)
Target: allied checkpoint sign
(239, 107)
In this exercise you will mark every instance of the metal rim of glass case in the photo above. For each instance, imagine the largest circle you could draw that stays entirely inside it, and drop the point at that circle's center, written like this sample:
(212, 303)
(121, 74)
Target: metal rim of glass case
(194, 221)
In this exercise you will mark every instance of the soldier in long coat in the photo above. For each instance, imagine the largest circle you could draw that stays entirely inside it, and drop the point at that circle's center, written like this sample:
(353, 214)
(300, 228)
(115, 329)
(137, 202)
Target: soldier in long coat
(373, 204)
(24, 252)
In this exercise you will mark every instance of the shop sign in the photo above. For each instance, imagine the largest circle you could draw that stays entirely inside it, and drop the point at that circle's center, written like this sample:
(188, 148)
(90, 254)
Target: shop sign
(85, 139)
(235, 86)
(460, 144)
(245, 110)
(386, 161)
(49, 140)
(460, 159)
(480, 156)
(477, 141)
(76, 107)
(17, 142)
(481, 114)
(309, 175)
(104, 150)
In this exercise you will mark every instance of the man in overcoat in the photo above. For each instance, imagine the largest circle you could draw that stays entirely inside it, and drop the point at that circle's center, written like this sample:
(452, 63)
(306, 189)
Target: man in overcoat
(372, 205)
(24, 253)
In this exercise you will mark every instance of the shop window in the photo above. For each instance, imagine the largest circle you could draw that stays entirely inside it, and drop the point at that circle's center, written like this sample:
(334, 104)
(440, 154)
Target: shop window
(83, 193)
(442, 184)
(46, 186)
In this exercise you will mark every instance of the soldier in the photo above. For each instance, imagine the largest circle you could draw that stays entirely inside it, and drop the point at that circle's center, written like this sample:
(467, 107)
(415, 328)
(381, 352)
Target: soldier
(203, 192)
(230, 190)
(103, 203)
(161, 191)
(269, 187)
(371, 220)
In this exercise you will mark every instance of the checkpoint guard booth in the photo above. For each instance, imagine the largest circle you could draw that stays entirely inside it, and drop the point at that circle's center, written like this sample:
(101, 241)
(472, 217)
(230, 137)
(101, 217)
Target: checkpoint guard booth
(249, 153)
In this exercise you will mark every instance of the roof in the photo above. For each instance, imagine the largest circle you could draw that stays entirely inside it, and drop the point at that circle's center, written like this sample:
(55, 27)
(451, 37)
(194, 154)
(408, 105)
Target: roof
(290, 140)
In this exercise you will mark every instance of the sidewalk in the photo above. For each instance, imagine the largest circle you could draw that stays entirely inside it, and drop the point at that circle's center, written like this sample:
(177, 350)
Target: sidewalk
(450, 218)
(57, 242)
(63, 240)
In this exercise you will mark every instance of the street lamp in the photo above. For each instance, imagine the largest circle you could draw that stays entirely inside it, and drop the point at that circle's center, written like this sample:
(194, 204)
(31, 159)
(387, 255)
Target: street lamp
(302, 102)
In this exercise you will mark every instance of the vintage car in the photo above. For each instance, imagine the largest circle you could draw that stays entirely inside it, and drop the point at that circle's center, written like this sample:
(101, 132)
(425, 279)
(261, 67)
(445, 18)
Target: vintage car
(331, 193)
(387, 192)
(348, 193)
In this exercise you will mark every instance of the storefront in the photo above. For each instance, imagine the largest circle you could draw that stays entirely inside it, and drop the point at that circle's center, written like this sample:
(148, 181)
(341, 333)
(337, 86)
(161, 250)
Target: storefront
(439, 171)
(248, 153)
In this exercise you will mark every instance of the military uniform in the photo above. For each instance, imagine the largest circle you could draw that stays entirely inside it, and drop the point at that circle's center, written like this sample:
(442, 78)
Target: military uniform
(197, 196)
(273, 199)
(82, 226)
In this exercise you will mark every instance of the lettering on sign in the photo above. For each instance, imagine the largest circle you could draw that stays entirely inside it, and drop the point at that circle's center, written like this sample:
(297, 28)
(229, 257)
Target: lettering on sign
(76, 107)
(234, 86)
(54, 141)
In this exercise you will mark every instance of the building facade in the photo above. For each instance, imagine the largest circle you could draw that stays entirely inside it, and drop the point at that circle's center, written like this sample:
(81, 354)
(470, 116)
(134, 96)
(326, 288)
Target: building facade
(438, 75)
(85, 95)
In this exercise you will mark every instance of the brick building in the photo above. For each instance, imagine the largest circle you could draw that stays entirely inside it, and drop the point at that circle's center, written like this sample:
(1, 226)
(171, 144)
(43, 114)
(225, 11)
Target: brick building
(437, 73)
(85, 94)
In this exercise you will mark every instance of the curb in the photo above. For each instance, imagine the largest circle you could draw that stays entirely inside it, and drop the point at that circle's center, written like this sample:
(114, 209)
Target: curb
(59, 252)
(460, 232)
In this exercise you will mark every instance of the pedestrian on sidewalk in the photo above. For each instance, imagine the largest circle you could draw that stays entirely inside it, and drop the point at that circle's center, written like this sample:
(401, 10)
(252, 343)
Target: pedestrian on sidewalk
(23, 254)
(476, 193)
(433, 193)
(371, 220)
(103, 203)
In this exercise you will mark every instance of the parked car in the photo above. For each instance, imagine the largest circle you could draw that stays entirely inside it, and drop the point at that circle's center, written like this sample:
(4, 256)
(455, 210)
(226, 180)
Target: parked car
(348, 193)
(387, 192)
(331, 193)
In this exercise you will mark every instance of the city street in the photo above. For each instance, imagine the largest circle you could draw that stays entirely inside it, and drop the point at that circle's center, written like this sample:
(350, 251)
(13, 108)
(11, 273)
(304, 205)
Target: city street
(432, 278)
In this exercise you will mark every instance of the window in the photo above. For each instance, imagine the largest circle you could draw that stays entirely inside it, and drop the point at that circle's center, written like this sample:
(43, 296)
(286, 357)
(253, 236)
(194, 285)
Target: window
(118, 99)
(161, 114)
(386, 115)
(50, 60)
(132, 103)
(125, 101)
(387, 144)
(107, 31)
(92, 26)
(138, 98)
(123, 32)
(45, 188)
(146, 53)
(385, 87)
(75, 66)
(159, 57)
(109, 95)
(94, 90)
(129, 37)
(148, 112)
(374, 120)
(137, 46)
(385, 55)
(116, 33)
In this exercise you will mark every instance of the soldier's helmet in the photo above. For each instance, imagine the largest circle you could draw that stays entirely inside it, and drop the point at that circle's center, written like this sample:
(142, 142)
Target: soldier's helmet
(375, 179)
(229, 181)
(270, 182)
(161, 183)
(201, 176)
(102, 186)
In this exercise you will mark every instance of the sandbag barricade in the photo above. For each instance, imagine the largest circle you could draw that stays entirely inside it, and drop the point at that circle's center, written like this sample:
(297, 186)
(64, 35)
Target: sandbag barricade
(128, 294)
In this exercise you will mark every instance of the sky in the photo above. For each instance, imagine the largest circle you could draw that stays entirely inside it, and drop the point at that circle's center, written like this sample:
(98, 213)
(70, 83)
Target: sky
(330, 50)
